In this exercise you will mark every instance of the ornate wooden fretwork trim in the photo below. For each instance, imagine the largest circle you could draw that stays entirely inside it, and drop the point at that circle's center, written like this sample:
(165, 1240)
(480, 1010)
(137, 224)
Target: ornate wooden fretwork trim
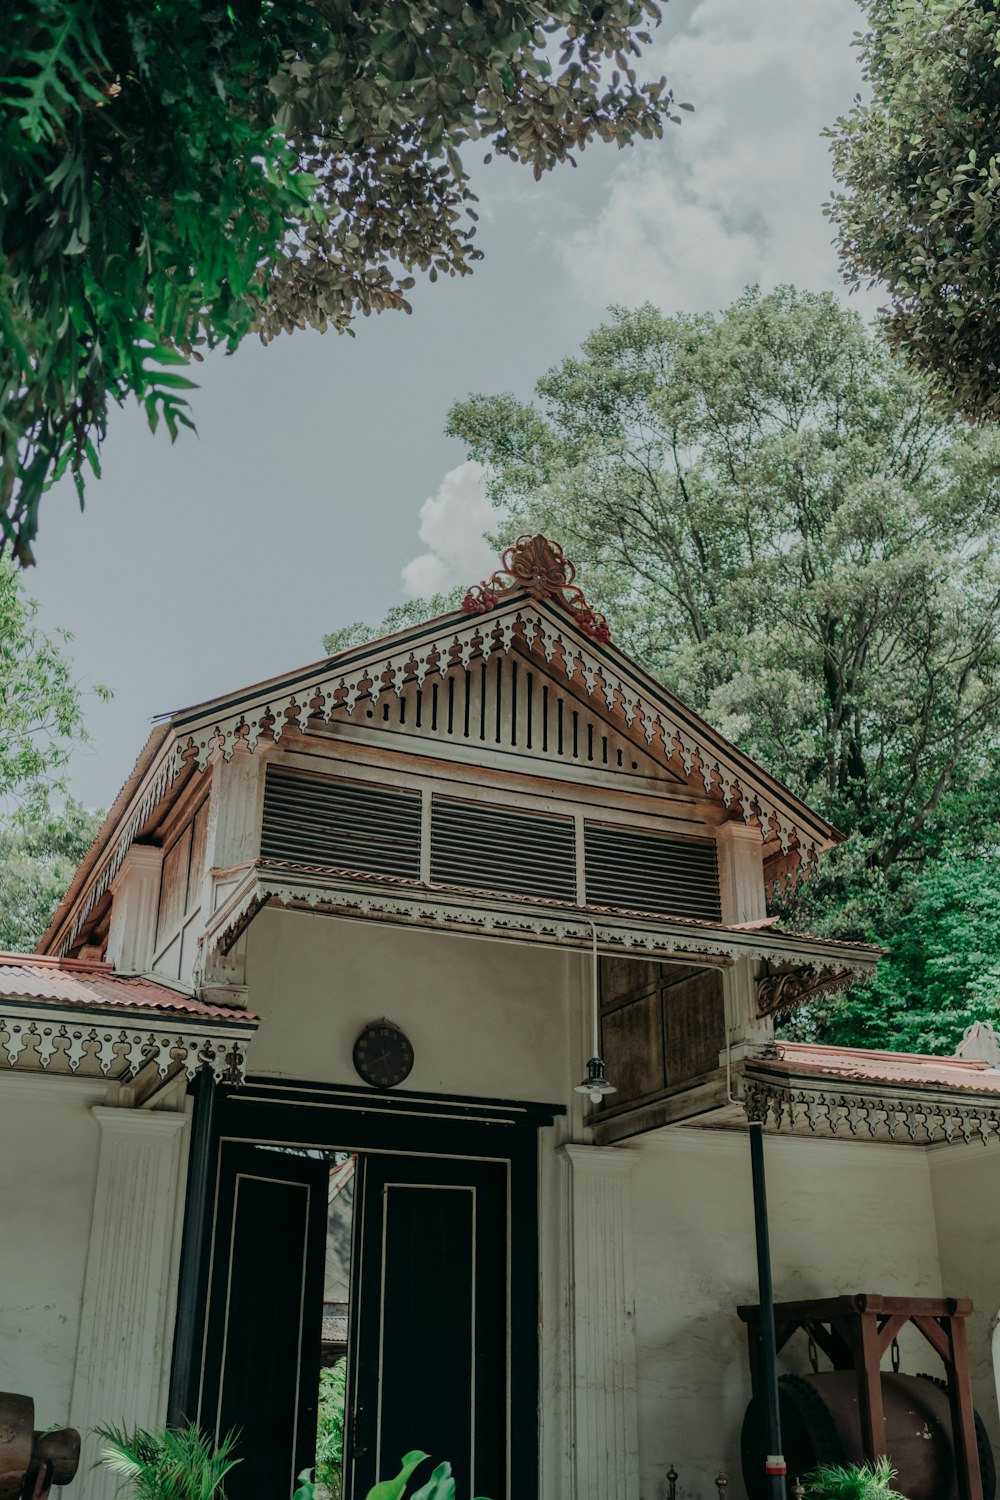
(163, 775)
(120, 1049)
(880, 1114)
(784, 988)
(524, 918)
(539, 568)
(266, 711)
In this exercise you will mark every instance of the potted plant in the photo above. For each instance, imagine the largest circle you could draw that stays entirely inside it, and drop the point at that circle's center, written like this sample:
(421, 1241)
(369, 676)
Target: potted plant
(173, 1463)
(853, 1482)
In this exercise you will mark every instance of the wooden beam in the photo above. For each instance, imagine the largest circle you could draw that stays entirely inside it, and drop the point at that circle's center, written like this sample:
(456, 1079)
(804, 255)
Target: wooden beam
(833, 1345)
(869, 1374)
(935, 1335)
(963, 1417)
(888, 1328)
(823, 1308)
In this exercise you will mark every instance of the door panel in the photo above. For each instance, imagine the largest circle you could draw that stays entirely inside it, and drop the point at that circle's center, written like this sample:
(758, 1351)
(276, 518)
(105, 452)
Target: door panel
(429, 1333)
(264, 1319)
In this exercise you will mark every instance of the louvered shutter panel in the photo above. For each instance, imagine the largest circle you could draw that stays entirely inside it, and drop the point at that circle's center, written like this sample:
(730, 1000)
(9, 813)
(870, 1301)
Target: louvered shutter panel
(652, 872)
(350, 825)
(502, 849)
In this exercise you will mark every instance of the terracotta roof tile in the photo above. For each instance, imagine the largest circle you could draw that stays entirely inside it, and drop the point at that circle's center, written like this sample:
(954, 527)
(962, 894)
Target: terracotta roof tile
(68, 981)
(907, 1069)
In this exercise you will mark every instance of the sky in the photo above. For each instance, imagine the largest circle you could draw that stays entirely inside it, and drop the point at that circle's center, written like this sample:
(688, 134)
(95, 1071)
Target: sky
(320, 488)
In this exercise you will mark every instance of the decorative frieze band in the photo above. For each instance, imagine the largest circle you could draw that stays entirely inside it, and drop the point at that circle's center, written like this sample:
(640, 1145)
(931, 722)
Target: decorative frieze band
(783, 988)
(880, 1116)
(395, 899)
(161, 777)
(120, 1051)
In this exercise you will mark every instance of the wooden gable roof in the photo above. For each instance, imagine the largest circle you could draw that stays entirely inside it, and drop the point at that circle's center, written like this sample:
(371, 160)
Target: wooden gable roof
(532, 616)
(525, 665)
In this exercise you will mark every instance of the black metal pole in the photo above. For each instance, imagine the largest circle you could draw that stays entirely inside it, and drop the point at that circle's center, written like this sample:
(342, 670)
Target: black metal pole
(775, 1464)
(183, 1398)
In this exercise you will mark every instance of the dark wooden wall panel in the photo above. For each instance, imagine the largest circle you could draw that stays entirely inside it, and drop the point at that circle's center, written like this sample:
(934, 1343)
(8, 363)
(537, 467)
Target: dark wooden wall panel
(695, 1030)
(662, 1025)
(633, 1046)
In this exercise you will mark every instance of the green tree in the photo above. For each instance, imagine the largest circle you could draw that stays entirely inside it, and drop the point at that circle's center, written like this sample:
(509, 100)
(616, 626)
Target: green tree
(38, 857)
(176, 173)
(919, 173)
(330, 1429)
(783, 526)
(41, 706)
(942, 971)
(411, 612)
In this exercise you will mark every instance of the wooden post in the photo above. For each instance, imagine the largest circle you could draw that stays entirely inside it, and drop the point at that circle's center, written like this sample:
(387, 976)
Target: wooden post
(869, 1376)
(963, 1420)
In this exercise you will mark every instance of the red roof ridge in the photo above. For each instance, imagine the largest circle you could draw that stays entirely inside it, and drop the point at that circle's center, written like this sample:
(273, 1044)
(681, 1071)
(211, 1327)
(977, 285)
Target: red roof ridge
(53, 961)
(862, 1054)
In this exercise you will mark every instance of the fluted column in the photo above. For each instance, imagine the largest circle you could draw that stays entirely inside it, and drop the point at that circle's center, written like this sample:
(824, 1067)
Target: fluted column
(602, 1322)
(126, 1323)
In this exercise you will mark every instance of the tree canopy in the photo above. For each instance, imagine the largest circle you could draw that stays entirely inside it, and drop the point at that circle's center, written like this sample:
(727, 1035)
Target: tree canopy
(780, 522)
(42, 836)
(919, 172)
(177, 173)
(38, 857)
(41, 704)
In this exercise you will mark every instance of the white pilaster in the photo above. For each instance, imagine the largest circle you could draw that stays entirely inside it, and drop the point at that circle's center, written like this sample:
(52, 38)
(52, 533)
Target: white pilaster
(236, 799)
(602, 1324)
(741, 872)
(236, 794)
(135, 897)
(745, 1029)
(126, 1330)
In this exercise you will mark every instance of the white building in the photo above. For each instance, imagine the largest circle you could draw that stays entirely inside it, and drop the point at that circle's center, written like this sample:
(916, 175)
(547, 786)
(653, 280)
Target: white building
(353, 909)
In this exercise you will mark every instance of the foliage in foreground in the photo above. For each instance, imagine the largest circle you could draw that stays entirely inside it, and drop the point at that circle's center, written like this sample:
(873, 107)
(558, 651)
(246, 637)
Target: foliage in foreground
(176, 173)
(864, 1482)
(173, 1463)
(780, 523)
(919, 173)
(330, 1429)
(440, 1486)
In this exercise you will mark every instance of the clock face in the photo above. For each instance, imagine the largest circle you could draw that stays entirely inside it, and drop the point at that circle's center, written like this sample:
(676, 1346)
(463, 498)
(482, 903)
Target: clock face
(383, 1055)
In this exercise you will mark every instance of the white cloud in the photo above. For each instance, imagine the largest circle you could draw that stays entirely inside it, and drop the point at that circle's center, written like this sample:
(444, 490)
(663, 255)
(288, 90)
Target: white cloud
(734, 195)
(452, 522)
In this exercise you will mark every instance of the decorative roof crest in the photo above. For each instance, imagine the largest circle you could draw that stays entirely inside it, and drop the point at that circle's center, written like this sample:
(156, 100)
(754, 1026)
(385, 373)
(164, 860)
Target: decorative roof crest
(540, 568)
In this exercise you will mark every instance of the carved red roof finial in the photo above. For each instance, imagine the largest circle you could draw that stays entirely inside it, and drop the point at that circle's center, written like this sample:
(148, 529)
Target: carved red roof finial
(536, 566)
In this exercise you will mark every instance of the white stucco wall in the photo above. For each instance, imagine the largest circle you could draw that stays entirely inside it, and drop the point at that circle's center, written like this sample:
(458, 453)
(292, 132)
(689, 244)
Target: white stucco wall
(965, 1181)
(485, 1018)
(48, 1169)
(496, 1019)
(845, 1217)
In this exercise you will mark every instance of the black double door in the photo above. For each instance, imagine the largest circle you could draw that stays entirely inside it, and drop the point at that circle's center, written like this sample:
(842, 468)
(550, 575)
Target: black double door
(429, 1359)
(429, 1355)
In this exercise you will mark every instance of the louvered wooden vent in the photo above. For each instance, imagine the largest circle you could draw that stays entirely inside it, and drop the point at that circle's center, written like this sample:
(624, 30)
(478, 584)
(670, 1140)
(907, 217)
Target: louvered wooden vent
(650, 872)
(507, 707)
(501, 849)
(314, 820)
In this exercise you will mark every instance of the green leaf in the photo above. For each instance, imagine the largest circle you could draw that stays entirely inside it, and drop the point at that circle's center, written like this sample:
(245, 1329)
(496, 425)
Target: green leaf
(392, 1489)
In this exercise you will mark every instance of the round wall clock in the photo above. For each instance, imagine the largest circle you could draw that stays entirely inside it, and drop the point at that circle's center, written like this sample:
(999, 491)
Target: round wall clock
(383, 1055)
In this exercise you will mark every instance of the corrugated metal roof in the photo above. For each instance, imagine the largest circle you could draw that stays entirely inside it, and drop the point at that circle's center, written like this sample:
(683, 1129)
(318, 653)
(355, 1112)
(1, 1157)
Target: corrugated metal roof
(68, 981)
(909, 1069)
